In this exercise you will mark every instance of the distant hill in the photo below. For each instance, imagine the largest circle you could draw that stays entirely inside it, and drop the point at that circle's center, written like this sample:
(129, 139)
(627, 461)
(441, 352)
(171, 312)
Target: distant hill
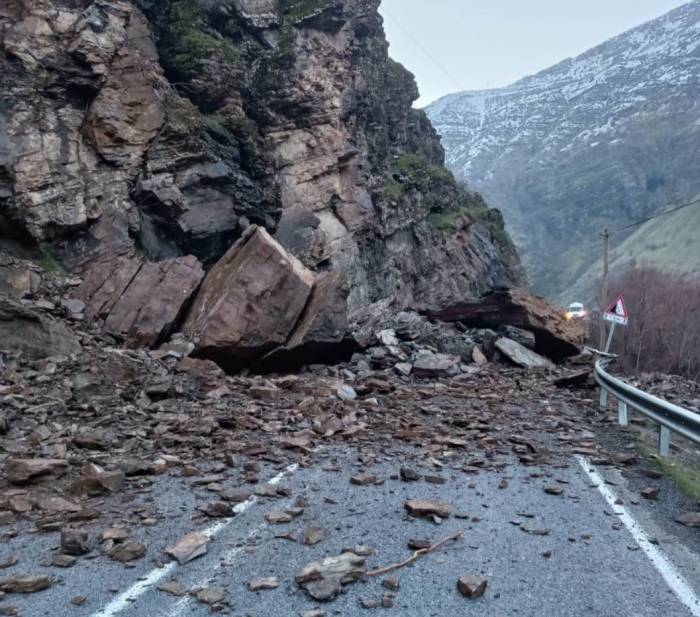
(604, 139)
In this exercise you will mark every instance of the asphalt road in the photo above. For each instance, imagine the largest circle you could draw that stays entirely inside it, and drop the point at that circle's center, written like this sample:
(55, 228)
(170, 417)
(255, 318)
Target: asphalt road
(596, 568)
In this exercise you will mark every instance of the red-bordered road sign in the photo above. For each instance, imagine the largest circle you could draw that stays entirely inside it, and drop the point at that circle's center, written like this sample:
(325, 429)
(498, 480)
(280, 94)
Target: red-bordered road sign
(617, 312)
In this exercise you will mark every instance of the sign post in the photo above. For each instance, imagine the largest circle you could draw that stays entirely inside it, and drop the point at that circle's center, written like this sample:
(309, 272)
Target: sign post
(616, 314)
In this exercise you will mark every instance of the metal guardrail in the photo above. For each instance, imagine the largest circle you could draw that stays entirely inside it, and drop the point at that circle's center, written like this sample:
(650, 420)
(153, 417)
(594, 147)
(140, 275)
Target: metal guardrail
(670, 417)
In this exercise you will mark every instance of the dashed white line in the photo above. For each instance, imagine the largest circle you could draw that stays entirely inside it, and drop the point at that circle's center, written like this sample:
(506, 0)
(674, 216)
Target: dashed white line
(674, 579)
(126, 599)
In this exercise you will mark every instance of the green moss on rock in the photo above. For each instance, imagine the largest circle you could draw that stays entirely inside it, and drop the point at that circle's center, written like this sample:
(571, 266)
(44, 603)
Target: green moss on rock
(191, 42)
(296, 10)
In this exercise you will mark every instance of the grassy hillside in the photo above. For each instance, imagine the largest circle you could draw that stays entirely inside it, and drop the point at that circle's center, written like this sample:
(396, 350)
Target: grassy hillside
(669, 243)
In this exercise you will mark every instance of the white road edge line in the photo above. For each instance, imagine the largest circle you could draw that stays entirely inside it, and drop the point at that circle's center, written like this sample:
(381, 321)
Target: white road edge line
(125, 599)
(674, 579)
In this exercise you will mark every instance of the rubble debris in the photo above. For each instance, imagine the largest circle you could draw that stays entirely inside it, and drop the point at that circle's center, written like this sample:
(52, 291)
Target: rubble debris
(29, 583)
(217, 509)
(189, 547)
(75, 542)
(651, 493)
(428, 364)
(522, 356)
(263, 584)
(34, 333)
(689, 519)
(323, 580)
(427, 509)
(174, 588)
(22, 471)
(555, 336)
(211, 595)
(472, 586)
(313, 535)
(128, 551)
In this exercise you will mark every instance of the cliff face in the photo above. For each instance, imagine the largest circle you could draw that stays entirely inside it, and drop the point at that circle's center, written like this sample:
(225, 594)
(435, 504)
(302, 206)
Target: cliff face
(159, 129)
(604, 139)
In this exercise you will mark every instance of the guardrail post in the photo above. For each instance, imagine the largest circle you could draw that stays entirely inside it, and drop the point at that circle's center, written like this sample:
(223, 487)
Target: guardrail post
(622, 413)
(664, 440)
(603, 403)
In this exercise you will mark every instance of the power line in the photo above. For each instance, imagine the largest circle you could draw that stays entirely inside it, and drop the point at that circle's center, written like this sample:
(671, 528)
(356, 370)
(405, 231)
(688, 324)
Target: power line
(656, 216)
(420, 46)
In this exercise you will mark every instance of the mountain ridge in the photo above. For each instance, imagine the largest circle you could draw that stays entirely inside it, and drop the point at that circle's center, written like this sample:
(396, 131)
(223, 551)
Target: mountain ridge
(605, 138)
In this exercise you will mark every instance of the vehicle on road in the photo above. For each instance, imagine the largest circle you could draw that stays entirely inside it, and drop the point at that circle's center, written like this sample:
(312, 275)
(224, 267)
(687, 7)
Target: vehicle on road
(576, 311)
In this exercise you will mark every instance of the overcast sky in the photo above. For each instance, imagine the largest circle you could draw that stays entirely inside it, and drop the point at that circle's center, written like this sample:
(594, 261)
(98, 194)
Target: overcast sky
(453, 45)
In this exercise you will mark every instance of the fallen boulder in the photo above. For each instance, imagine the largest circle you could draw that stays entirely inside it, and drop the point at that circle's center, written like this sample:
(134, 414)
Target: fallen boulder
(323, 580)
(322, 332)
(249, 303)
(555, 336)
(522, 356)
(140, 302)
(33, 333)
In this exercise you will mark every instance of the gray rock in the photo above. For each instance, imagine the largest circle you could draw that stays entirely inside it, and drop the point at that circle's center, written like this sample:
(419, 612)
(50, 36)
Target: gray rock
(429, 364)
(520, 355)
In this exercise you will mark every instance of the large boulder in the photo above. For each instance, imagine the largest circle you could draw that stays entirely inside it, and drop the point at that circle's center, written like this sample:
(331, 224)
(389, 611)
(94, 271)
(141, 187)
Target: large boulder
(521, 355)
(140, 302)
(249, 303)
(555, 336)
(322, 332)
(35, 334)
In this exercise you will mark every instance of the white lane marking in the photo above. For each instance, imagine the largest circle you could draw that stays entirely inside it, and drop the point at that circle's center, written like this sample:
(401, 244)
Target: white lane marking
(674, 579)
(126, 598)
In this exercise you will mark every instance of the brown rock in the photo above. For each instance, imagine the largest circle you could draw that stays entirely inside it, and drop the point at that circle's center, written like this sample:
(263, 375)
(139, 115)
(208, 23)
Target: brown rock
(211, 595)
(471, 586)
(189, 547)
(418, 544)
(25, 584)
(553, 490)
(689, 519)
(78, 600)
(249, 302)
(323, 580)
(173, 588)
(555, 337)
(424, 509)
(520, 355)
(260, 584)
(364, 479)
(128, 551)
(322, 332)
(314, 535)
(22, 471)
(140, 302)
(651, 493)
(97, 482)
(217, 509)
(75, 542)
(63, 561)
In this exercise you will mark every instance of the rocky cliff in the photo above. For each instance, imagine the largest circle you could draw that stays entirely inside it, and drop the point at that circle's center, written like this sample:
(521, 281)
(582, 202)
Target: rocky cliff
(142, 131)
(603, 139)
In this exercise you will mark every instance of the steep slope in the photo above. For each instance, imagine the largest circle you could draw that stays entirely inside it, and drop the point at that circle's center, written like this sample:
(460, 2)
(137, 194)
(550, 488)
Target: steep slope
(603, 139)
(669, 243)
(160, 129)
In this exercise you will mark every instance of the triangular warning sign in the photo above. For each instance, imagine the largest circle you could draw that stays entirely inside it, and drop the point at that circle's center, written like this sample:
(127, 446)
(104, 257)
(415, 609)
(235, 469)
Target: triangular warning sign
(617, 311)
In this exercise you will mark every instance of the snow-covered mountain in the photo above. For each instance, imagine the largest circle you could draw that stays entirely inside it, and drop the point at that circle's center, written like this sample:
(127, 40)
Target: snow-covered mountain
(603, 139)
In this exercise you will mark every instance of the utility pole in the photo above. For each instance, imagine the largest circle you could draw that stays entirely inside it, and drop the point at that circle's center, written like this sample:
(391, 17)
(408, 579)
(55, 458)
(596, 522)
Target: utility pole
(604, 286)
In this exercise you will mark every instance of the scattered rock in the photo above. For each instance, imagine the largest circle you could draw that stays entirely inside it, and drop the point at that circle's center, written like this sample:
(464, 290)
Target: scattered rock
(75, 542)
(314, 535)
(211, 595)
(173, 588)
(63, 561)
(189, 547)
(23, 471)
(78, 600)
(423, 509)
(323, 580)
(408, 475)
(472, 586)
(689, 519)
(429, 364)
(25, 584)
(365, 479)
(651, 493)
(260, 584)
(128, 551)
(217, 509)
(553, 490)
(522, 356)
